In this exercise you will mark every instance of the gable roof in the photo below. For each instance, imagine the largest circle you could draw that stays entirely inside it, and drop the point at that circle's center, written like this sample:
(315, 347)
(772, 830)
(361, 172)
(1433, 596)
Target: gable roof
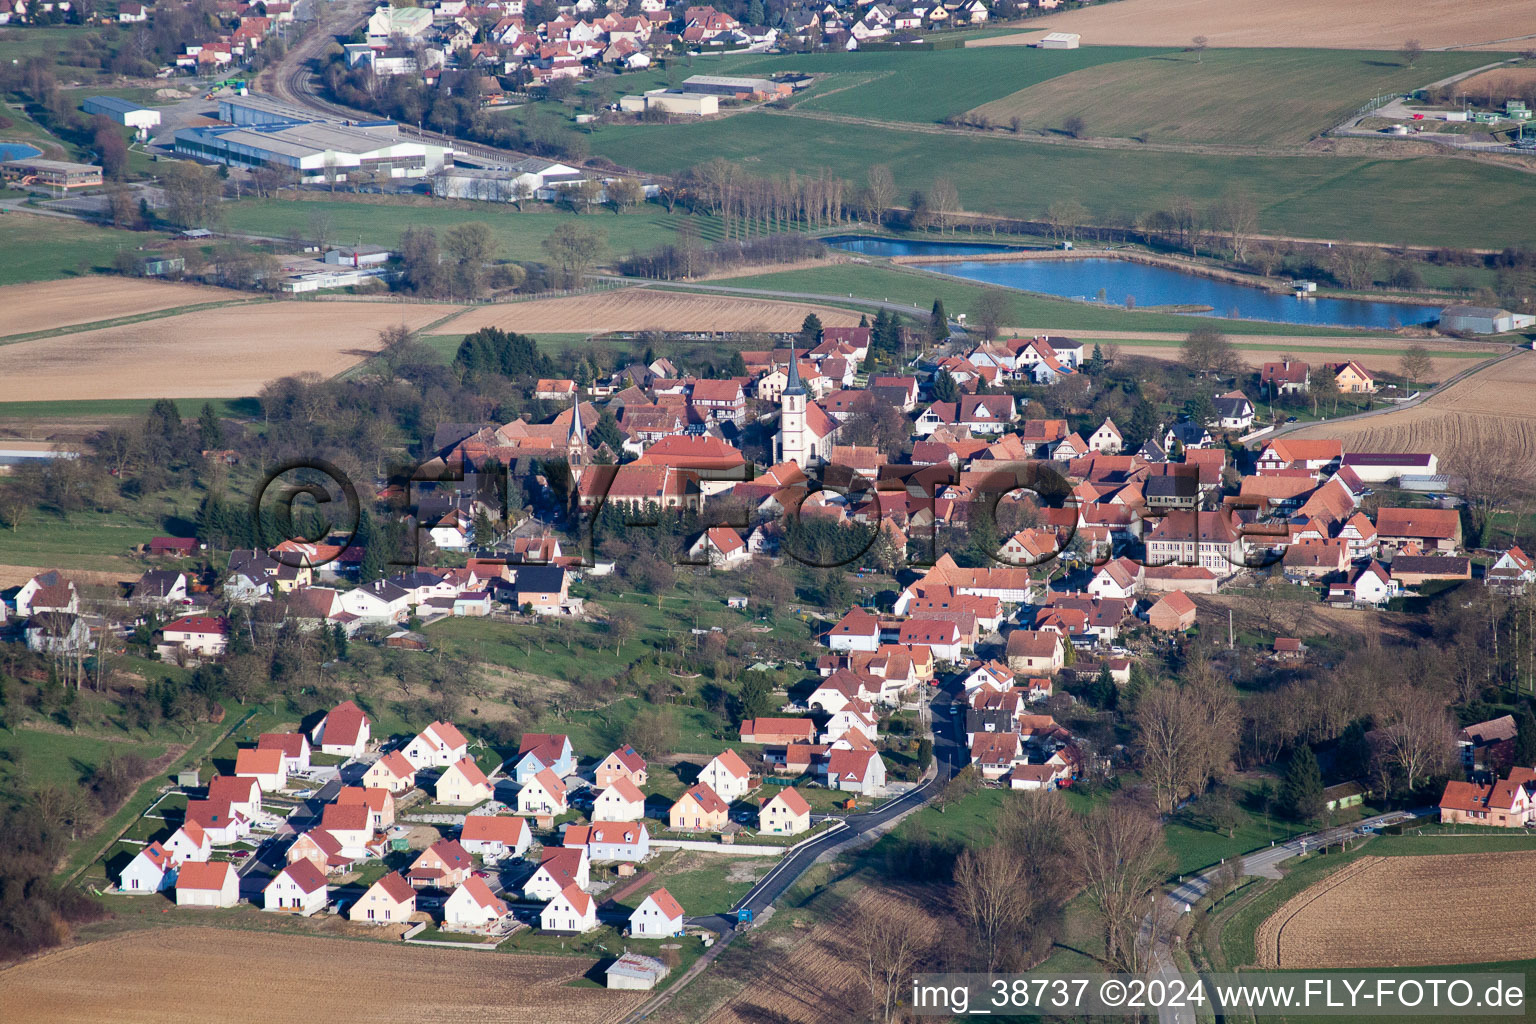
(258, 761)
(733, 764)
(395, 887)
(204, 874)
(666, 903)
(627, 790)
(705, 797)
(472, 774)
(629, 757)
(304, 874)
(493, 828)
(290, 743)
(343, 724)
(792, 801)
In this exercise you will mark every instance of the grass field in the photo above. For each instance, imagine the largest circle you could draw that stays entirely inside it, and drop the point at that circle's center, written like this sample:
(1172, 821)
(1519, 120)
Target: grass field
(517, 234)
(1231, 96)
(94, 409)
(38, 758)
(1311, 197)
(43, 248)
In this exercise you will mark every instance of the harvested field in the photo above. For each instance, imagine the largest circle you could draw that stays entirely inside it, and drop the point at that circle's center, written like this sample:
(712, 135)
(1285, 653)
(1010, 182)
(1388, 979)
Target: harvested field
(642, 309)
(1496, 85)
(1377, 354)
(16, 575)
(1404, 912)
(1363, 24)
(214, 353)
(812, 975)
(163, 977)
(49, 305)
(1490, 409)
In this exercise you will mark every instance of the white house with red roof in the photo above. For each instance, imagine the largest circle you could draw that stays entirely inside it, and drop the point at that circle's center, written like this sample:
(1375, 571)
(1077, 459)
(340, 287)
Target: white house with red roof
(350, 826)
(219, 822)
(473, 907)
(570, 912)
(390, 900)
(856, 771)
(241, 792)
(379, 802)
(728, 775)
(720, 546)
(856, 714)
(391, 772)
(785, 814)
(437, 746)
(299, 888)
(321, 849)
(543, 794)
(463, 784)
(625, 842)
(267, 767)
(659, 916)
(859, 630)
(294, 745)
(152, 869)
(560, 868)
(343, 732)
(189, 842)
(540, 750)
(495, 836)
(193, 637)
(622, 801)
(207, 884)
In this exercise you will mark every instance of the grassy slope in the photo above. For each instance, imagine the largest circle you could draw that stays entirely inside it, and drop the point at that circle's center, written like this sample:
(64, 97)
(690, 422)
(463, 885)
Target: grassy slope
(874, 281)
(43, 248)
(1247, 96)
(517, 234)
(1315, 197)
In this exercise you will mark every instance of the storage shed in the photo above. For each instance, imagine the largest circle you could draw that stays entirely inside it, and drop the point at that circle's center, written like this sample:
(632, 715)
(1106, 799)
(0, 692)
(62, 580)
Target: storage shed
(633, 971)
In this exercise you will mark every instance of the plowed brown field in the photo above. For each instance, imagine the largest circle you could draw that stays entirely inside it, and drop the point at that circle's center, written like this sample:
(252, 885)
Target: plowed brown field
(641, 309)
(198, 975)
(1360, 24)
(25, 308)
(213, 353)
(1495, 407)
(1406, 912)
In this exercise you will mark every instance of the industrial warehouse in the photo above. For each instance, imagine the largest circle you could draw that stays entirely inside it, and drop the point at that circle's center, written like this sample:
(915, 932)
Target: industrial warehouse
(262, 132)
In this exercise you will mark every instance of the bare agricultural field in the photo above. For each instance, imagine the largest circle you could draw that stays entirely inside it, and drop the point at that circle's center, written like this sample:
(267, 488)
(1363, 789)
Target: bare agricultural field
(1498, 82)
(46, 305)
(1491, 408)
(812, 974)
(644, 309)
(164, 977)
(213, 353)
(1404, 912)
(1361, 24)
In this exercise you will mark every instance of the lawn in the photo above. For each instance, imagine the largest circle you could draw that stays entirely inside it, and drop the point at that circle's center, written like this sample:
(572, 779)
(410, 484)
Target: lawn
(97, 540)
(45, 248)
(1311, 197)
(1268, 97)
(232, 408)
(1026, 309)
(518, 235)
(39, 758)
(704, 883)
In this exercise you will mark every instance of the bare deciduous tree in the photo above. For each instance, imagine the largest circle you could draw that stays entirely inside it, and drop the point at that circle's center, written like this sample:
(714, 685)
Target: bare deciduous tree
(879, 192)
(991, 895)
(1124, 861)
(889, 951)
(1416, 365)
(1418, 739)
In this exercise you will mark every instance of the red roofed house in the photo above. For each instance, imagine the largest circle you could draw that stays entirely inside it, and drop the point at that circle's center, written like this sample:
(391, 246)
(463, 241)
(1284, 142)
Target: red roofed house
(189, 842)
(391, 772)
(621, 801)
(242, 793)
(1434, 529)
(1173, 612)
(542, 794)
(265, 766)
(193, 636)
(859, 630)
(728, 775)
(294, 745)
(463, 784)
(700, 809)
(207, 884)
(343, 732)
(777, 730)
(1285, 377)
(856, 771)
(152, 869)
(321, 849)
(1035, 651)
(559, 868)
(390, 900)
(720, 546)
(785, 814)
(719, 401)
(218, 821)
(350, 826)
(623, 763)
(437, 746)
(297, 889)
(658, 916)
(473, 907)
(442, 865)
(571, 911)
(495, 836)
(1505, 804)
(379, 802)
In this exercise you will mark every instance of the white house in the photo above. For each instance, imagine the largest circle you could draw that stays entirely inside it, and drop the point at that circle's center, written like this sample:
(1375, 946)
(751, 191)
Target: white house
(297, 889)
(1117, 578)
(437, 746)
(151, 870)
(267, 767)
(786, 814)
(391, 772)
(542, 794)
(472, 906)
(208, 884)
(1106, 438)
(607, 841)
(728, 775)
(194, 636)
(189, 843)
(659, 916)
(494, 837)
(859, 630)
(343, 732)
(856, 771)
(561, 867)
(463, 784)
(294, 745)
(570, 911)
(621, 801)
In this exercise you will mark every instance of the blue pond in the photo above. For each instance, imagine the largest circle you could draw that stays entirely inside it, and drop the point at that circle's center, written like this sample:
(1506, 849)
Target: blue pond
(18, 151)
(1148, 285)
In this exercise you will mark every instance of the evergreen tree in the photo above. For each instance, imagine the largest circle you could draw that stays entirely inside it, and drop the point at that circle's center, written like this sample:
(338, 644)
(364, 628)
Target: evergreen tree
(863, 319)
(1200, 409)
(755, 13)
(485, 529)
(1096, 362)
(944, 388)
(736, 366)
(1352, 755)
(1141, 426)
(755, 695)
(938, 323)
(810, 331)
(607, 432)
(210, 429)
(1301, 791)
(339, 640)
(981, 547)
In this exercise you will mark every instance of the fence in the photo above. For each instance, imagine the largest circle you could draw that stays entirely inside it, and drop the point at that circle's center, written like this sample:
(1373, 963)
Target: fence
(739, 849)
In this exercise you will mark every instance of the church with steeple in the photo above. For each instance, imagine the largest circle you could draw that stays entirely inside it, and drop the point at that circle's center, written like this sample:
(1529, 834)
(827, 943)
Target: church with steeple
(806, 432)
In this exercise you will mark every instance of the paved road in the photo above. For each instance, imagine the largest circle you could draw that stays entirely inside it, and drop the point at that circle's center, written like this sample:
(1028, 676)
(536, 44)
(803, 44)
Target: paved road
(1263, 862)
(1398, 110)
